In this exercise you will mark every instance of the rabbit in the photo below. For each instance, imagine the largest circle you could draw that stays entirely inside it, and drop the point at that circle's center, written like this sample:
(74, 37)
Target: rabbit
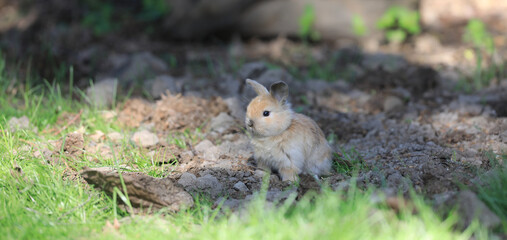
(288, 142)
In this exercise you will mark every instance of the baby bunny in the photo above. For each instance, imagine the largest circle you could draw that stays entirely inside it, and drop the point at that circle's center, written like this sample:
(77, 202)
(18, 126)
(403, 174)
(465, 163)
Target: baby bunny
(289, 142)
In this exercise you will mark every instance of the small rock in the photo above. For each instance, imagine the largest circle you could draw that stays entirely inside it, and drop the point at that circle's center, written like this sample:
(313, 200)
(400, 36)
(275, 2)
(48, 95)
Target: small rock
(391, 103)
(221, 123)
(102, 93)
(427, 44)
(18, 123)
(186, 156)
(341, 186)
(98, 136)
(209, 184)
(230, 203)
(141, 65)
(401, 92)
(145, 139)
(317, 86)
(116, 137)
(237, 110)
(471, 207)
(102, 150)
(229, 85)
(259, 174)
(212, 154)
(151, 154)
(274, 75)
(160, 85)
(275, 195)
(250, 180)
(252, 70)
(108, 115)
(441, 198)
(387, 62)
(44, 153)
(187, 180)
(147, 126)
(240, 186)
(203, 145)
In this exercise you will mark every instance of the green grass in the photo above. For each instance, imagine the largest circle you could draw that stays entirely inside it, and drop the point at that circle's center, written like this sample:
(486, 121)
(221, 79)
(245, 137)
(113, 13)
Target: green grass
(493, 190)
(484, 73)
(41, 202)
(349, 161)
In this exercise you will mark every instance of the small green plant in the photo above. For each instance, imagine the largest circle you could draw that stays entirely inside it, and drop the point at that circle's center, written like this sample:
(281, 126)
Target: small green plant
(103, 17)
(477, 34)
(481, 51)
(349, 161)
(153, 10)
(306, 21)
(180, 142)
(358, 26)
(99, 17)
(398, 23)
(492, 186)
(483, 73)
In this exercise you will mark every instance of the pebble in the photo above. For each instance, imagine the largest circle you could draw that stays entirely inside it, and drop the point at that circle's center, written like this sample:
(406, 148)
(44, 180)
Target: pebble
(145, 139)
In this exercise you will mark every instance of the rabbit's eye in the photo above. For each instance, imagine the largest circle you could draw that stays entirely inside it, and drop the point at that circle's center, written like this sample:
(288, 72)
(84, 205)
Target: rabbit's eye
(265, 113)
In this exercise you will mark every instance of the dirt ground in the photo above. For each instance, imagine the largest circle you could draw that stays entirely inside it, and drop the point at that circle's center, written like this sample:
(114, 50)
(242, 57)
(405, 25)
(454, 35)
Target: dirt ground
(393, 114)
(399, 130)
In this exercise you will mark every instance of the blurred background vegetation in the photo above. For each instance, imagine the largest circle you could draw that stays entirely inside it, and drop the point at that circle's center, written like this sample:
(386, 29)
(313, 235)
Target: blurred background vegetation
(47, 37)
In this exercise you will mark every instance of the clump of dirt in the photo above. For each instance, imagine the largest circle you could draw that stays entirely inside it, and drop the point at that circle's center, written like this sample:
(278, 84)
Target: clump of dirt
(177, 112)
(72, 145)
(172, 112)
(135, 112)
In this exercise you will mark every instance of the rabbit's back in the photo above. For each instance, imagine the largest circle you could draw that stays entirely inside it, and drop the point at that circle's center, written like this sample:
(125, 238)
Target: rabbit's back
(302, 145)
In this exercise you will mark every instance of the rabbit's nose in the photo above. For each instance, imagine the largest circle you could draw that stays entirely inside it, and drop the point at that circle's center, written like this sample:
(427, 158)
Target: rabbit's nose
(250, 123)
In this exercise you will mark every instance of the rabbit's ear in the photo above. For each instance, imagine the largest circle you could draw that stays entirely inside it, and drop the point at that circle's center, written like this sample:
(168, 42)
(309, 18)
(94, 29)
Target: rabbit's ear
(280, 91)
(258, 88)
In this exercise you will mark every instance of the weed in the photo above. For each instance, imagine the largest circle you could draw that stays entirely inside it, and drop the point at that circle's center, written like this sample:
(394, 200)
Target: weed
(349, 161)
(181, 139)
(153, 10)
(306, 22)
(482, 51)
(171, 59)
(483, 74)
(105, 17)
(358, 26)
(99, 17)
(398, 23)
(477, 35)
(492, 190)
(332, 138)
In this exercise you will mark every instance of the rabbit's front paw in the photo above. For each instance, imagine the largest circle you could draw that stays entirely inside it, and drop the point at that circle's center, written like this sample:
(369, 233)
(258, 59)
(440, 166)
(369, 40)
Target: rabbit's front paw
(288, 174)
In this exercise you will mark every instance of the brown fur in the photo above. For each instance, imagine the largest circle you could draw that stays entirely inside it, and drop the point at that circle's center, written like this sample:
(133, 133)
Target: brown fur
(290, 142)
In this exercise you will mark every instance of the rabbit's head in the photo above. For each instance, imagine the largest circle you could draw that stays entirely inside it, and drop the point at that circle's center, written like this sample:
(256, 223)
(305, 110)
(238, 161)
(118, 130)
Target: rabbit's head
(268, 114)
